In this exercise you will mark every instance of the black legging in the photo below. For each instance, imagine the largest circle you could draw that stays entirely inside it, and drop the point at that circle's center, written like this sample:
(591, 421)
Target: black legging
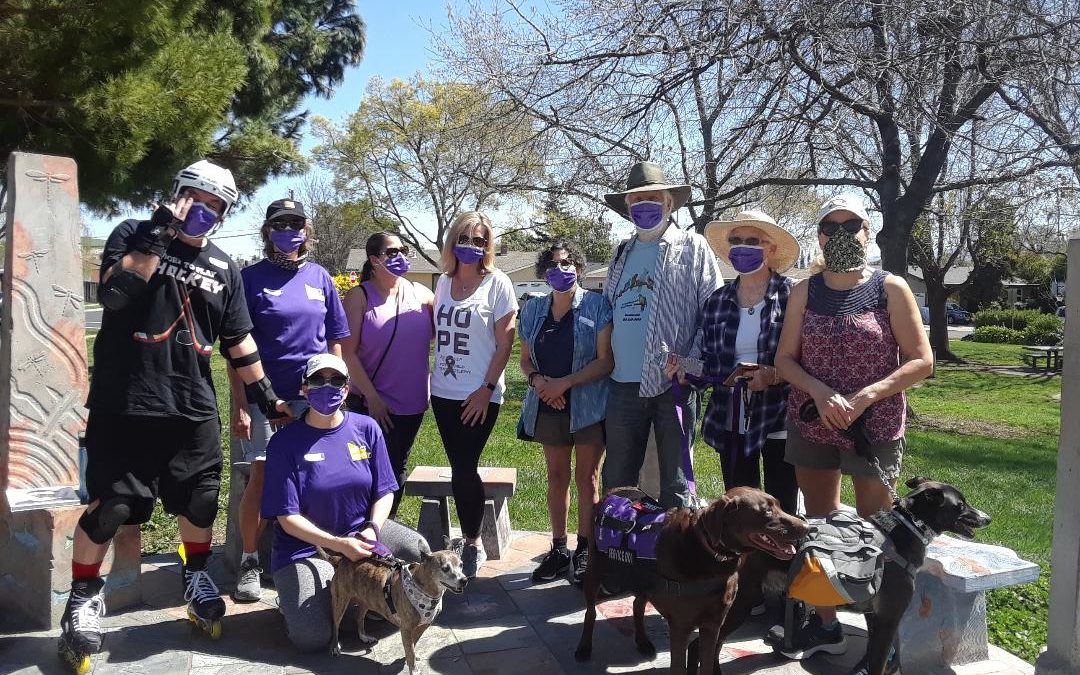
(779, 475)
(399, 442)
(463, 445)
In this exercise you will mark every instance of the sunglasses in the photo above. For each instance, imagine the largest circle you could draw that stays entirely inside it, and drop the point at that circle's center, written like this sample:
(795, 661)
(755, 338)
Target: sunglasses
(317, 380)
(391, 252)
(745, 241)
(293, 223)
(564, 265)
(829, 228)
(479, 242)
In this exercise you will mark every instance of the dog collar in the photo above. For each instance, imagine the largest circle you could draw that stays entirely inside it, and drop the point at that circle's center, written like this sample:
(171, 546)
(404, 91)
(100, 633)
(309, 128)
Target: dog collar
(719, 553)
(427, 606)
(920, 529)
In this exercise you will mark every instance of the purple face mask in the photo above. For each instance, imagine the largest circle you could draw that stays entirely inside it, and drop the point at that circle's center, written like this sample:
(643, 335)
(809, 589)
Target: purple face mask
(326, 399)
(288, 240)
(397, 265)
(746, 259)
(647, 215)
(468, 255)
(561, 280)
(199, 220)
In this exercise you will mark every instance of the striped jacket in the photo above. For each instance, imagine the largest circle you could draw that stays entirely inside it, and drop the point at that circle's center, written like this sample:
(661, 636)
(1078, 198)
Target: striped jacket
(686, 274)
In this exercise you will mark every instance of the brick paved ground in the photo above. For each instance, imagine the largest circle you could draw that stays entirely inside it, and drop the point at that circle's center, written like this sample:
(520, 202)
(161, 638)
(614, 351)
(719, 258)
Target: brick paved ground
(502, 624)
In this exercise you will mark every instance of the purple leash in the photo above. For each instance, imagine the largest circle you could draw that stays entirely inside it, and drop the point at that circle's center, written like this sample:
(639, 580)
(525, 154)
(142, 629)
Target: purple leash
(687, 464)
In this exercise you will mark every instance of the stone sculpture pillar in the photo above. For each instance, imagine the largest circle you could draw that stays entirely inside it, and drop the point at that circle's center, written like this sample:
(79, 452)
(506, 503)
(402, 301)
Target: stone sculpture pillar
(1062, 656)
(43, 386)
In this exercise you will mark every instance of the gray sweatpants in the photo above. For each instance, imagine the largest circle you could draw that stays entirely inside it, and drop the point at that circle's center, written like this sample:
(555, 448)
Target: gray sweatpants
(304, 588)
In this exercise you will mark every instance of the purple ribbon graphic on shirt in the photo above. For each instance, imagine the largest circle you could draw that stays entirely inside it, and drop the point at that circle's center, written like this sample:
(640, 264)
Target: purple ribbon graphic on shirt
(450, 362)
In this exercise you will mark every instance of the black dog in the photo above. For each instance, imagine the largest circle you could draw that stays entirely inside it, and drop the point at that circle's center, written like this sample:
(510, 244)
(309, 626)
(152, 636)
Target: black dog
(929, 509)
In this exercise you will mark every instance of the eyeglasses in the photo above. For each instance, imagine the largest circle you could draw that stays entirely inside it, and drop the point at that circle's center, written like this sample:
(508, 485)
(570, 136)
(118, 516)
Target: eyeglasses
(745, 241)
(317, 380)
(289, 223)
(479, 242)
(564, 265)
(391, 252)
(829, 227)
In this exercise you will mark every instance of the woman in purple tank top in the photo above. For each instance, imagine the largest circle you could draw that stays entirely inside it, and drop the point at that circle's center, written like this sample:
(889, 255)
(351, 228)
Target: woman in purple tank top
(390, 319)
(852, 343)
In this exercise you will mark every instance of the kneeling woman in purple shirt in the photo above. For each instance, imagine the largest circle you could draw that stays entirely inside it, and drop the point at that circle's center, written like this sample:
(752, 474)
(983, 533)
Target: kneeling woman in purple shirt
(329, 483)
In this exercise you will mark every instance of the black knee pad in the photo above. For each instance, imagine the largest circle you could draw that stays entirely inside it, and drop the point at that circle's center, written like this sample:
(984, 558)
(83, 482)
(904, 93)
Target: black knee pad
(202, 506)
(102, 523)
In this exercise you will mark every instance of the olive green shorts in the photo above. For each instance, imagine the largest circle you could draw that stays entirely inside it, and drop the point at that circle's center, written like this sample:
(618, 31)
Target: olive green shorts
(810, 455)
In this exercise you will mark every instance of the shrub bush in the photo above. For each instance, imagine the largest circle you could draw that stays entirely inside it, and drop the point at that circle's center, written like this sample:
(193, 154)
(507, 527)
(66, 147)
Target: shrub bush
(997, 335)
(1017, 319)
(343, 284)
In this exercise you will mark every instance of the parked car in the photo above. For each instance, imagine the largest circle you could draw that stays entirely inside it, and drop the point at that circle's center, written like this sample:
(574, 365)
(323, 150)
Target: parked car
(954, 313)
(528, 295)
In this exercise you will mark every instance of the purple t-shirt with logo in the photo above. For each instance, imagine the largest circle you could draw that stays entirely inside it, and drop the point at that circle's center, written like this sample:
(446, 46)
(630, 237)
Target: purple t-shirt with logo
(330, 476)
(295, 312)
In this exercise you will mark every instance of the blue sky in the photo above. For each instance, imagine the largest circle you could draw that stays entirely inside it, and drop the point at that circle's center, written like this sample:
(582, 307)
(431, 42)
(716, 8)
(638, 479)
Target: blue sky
(398, 45)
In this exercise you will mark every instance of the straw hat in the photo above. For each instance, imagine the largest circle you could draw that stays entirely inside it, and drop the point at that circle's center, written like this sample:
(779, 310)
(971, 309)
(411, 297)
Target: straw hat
(787, 247)
(644, 177)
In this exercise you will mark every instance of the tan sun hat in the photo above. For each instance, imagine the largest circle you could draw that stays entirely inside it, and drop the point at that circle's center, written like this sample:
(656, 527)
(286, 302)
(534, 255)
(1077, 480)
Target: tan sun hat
(645, 177)
(787, 247)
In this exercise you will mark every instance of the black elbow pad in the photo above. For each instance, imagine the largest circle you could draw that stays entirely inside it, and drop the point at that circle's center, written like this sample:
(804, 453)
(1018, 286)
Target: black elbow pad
(121, 288)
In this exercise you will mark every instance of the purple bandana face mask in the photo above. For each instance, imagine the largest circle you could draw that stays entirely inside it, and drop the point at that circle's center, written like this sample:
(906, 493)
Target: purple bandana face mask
(561, 280)
(468, 255)
(326, 399)
(287, 241)
(200, 219)
(398, 265)
(647, 215)
(747, 259)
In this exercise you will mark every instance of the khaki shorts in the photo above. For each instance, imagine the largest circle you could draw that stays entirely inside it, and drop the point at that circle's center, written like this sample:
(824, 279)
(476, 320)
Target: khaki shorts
(811, 455)
(554, 429)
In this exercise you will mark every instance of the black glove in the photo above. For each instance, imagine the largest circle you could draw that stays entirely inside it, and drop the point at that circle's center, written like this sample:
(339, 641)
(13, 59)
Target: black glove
(155, 239)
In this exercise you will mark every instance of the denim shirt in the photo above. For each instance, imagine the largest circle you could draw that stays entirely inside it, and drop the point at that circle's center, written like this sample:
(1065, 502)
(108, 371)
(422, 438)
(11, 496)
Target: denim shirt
(588, 402)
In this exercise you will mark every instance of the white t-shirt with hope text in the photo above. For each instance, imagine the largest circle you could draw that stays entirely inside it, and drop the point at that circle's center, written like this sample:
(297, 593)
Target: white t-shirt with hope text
(465, 336)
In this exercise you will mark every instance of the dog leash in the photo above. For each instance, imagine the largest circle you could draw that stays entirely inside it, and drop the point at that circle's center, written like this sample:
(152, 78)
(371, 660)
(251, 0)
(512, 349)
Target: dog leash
(687, 462)
(859, 436)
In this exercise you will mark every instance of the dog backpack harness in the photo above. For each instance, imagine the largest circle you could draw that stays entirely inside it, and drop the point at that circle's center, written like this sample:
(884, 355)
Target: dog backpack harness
(842, 559)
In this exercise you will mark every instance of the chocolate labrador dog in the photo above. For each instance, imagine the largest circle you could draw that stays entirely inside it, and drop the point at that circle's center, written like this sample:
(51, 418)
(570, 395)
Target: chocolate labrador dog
(697, 555)
(928, 510)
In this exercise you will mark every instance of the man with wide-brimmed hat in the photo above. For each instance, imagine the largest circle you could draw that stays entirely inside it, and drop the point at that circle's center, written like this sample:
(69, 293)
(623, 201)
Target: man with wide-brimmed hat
(657, 285)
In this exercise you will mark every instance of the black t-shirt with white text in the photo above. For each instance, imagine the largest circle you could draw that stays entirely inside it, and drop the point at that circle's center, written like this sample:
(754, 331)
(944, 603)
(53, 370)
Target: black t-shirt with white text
(153, 357)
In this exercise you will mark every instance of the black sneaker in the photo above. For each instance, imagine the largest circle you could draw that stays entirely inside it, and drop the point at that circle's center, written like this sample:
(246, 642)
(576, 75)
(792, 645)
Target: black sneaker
(554, 564)
(580, 562)
(812, 637)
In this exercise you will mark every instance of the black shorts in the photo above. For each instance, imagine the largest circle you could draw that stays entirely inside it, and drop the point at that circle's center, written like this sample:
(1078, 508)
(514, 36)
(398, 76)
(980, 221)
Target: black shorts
(143, 457)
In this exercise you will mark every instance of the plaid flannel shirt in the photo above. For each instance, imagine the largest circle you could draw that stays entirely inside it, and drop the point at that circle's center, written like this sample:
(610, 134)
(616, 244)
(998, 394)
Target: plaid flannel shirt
(719, 326)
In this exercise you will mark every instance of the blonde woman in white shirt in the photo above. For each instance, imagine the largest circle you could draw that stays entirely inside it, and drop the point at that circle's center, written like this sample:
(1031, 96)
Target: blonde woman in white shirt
(474, 335)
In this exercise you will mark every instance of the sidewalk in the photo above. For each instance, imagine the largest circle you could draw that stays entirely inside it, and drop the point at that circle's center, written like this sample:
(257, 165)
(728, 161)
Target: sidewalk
(503, 623)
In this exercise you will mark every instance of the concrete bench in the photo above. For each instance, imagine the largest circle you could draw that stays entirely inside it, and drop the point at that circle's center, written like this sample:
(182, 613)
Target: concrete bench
(945, 625)
(432, 484)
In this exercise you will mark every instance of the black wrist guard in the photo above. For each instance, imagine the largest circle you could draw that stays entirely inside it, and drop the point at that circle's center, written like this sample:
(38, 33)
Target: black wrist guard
(155, 239)
(262, 394)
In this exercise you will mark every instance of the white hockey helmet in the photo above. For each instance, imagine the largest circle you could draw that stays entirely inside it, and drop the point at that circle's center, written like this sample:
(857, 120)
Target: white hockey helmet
(209, 177)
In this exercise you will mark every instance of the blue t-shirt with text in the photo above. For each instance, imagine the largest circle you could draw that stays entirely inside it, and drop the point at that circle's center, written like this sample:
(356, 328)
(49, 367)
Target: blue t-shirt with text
(630, 310)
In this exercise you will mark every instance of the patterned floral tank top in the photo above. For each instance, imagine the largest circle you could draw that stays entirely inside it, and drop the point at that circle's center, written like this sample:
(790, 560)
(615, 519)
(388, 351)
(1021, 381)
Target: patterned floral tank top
(847, 343)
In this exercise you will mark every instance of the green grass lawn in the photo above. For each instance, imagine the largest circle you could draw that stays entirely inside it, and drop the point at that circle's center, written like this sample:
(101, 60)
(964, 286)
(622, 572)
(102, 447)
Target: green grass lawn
(994, 436)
